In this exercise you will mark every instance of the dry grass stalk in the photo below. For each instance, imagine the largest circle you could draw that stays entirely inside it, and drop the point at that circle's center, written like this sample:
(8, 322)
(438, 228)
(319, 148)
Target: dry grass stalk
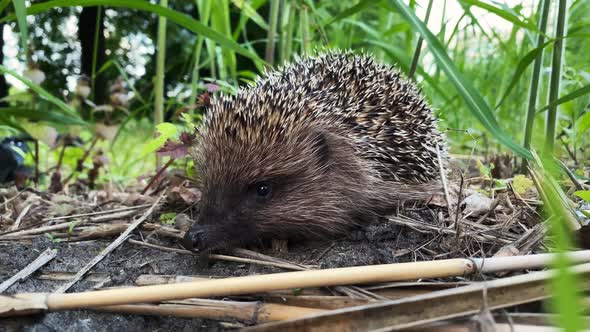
(21, 216)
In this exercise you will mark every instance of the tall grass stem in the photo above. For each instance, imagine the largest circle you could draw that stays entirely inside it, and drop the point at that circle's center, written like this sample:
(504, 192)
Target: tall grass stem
(535, 81)
(97, 30)
(204, 13)
(272, 31)
(416, 57)
(555, 82)
(160, 72)
(305, 35)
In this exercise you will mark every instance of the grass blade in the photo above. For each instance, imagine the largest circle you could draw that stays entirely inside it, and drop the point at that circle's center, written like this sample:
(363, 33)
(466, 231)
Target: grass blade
(20, 11)
(65, 108)
(478, 107)
(54, 117)
(419, 43)
(570, 96)
(351, 11)
(535, 80)
(521, 67)
(251, 13)
(508, 16)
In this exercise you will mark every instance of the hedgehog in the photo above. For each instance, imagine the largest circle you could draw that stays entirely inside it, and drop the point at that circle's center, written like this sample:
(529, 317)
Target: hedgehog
(312, 149)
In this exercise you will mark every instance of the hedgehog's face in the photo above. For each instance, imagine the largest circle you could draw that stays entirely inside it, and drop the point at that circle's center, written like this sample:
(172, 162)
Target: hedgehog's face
(275, 189)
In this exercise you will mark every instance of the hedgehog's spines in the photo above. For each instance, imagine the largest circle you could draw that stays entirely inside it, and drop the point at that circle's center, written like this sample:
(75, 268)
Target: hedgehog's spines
(383, 112)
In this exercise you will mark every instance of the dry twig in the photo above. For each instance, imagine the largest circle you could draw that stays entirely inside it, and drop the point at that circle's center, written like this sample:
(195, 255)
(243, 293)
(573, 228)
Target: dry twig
(43, 259)
(110, 248)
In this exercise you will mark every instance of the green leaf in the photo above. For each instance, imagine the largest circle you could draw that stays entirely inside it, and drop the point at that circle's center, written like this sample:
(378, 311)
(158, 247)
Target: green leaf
(43, 93)
(508, 16)
(165, 130)
(168, 218)
(73, 224)
(583, 194)
(570, 96)
(583, 123)
(20, 10)
(174, 16)
(478, 107)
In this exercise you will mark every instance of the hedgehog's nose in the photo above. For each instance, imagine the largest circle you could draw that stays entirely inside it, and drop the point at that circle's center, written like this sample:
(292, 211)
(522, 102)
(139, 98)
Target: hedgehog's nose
(194, 240)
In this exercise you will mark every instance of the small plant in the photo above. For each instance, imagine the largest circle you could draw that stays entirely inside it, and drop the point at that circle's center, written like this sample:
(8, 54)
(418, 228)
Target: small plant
(168, 218)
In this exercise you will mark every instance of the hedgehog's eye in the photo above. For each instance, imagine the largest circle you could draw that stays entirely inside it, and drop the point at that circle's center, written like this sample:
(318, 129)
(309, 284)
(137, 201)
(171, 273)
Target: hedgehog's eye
(263, 189)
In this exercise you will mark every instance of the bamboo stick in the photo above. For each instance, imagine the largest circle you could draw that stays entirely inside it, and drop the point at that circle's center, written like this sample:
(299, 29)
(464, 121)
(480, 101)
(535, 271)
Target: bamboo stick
(278, 281)
(258, 283)
(239, 285)
(245, 311)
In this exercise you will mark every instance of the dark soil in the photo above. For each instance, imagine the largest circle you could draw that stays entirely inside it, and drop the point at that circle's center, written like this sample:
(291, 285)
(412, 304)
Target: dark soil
(374, 245)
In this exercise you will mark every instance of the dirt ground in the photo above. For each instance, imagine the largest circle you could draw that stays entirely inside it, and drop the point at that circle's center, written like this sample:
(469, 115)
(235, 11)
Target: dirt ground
(374, 245)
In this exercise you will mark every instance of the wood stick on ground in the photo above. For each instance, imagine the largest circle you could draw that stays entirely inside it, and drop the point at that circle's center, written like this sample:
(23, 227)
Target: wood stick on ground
(40, 261)
(110, 248)
(428, 308)
(264, 283)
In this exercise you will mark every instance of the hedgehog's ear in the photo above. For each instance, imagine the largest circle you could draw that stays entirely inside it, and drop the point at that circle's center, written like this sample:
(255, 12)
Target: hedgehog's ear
(321, 142)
